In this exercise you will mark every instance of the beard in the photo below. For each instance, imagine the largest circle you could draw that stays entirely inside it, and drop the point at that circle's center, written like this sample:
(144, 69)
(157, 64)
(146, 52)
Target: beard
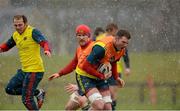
(82, 43)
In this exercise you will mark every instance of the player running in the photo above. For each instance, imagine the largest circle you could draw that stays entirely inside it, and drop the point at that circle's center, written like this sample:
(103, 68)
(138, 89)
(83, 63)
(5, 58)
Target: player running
(90, 81)
(83, 34)
(111, 30)
(28, 40)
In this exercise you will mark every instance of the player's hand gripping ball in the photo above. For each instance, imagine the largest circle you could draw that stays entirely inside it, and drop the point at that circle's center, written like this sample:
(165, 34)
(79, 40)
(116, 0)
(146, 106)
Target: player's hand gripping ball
(105, 68)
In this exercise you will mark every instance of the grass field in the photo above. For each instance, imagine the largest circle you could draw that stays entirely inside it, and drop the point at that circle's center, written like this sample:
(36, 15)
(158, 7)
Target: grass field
(164, 68)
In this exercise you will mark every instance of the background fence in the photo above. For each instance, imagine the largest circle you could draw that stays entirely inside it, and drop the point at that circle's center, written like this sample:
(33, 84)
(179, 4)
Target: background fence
(174, 87)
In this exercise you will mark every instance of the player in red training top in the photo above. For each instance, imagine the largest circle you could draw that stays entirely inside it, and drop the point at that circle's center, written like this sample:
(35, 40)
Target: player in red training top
(83, 34)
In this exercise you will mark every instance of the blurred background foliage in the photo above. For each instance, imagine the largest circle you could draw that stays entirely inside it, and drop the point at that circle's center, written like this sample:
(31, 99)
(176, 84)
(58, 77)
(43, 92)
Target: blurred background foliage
(154, 24)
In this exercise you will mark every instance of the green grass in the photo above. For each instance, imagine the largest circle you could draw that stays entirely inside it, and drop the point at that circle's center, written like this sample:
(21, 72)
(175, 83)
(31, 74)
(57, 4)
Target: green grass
(164, 67)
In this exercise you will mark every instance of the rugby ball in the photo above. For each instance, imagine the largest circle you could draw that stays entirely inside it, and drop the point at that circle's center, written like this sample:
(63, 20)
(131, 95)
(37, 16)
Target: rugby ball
(105, 68)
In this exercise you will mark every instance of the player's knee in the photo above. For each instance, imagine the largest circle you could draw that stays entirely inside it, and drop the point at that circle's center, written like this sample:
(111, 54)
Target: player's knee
(95, 97)
(98, 104)
(83, 101)
(107, 99)
(71, 106)
(97, 101)
(68, 107)
(73, 103)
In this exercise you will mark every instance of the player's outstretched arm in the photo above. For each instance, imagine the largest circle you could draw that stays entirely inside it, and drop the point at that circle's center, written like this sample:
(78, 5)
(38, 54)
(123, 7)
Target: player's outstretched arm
(53, 76)
(66, 70)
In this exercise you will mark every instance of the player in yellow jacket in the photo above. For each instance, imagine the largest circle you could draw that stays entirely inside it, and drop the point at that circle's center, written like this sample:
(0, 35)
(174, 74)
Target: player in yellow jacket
(28, 40)
(99, 33)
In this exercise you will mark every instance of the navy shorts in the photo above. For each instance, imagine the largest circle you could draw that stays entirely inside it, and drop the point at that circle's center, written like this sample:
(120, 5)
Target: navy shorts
(86, 83)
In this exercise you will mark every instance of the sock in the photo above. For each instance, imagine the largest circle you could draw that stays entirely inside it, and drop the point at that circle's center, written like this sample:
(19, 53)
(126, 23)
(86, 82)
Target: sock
(36, 92)
(113, 105)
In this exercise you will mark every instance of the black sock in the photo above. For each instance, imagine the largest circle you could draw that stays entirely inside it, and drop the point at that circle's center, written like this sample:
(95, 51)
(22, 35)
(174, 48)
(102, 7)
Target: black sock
(36, 92)
(113, 105)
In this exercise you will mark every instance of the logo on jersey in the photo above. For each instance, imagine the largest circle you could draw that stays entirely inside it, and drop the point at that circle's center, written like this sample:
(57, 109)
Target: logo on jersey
(25, 38)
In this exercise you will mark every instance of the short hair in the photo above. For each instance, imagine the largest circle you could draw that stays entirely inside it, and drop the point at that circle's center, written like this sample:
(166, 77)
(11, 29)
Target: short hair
(111, 26)
(19, 17)
(98, 30)
(122, 33)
